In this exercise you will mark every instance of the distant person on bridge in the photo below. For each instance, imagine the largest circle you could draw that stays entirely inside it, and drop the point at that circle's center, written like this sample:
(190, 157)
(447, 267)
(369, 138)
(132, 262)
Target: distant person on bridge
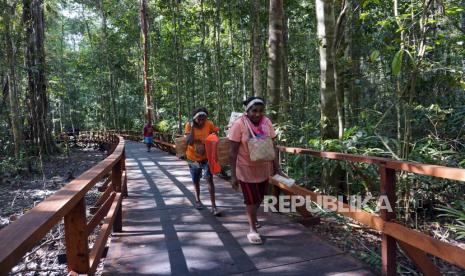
(148, 135)
(197, 131)
(252, 176)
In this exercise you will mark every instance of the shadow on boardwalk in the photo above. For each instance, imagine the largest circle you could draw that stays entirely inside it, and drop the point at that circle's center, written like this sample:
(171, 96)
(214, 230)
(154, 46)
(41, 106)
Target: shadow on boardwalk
(164, 235)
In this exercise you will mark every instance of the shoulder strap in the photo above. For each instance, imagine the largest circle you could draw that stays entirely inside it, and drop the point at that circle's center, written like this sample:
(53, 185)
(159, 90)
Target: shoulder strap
(245, 121)
(192, 128)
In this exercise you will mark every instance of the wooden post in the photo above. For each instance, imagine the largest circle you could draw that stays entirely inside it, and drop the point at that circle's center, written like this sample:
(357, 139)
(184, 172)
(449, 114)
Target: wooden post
(388, 243)
(116, 176)
(77, 248)
(125, 187)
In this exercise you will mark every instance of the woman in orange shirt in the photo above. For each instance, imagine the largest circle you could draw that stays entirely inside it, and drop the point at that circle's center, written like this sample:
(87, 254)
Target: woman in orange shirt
(196, 132)
(251, 176)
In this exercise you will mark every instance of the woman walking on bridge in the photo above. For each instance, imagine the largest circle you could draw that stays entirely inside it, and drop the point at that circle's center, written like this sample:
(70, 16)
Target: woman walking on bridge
(148, 135)
(197, 131)
(252, 176)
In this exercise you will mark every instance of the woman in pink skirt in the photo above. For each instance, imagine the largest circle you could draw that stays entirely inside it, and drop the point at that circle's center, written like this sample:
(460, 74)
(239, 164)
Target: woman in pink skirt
(251, 176)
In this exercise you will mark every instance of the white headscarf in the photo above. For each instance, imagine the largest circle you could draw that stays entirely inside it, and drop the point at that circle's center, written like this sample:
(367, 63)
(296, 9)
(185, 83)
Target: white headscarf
(254, 102)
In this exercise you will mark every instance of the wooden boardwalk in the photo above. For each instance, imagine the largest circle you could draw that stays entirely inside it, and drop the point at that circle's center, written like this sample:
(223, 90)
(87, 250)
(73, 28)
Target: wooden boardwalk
(164, 235)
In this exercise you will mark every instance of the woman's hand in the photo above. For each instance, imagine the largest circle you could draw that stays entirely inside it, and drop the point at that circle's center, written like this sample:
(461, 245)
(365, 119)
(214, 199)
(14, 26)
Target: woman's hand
(234, 183)
(233, 151)
(280, 172)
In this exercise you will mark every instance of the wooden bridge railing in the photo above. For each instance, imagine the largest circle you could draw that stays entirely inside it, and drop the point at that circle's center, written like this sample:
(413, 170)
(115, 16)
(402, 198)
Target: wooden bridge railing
(69, 204)
(415, 244)
(163, 141)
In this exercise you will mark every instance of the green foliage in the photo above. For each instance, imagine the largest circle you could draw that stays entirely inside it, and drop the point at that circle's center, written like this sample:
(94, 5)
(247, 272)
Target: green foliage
(456, 212)
(397, 62)
(163, 126)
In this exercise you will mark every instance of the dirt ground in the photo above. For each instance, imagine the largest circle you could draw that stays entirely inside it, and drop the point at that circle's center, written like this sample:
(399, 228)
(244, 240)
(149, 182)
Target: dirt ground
(20, 193)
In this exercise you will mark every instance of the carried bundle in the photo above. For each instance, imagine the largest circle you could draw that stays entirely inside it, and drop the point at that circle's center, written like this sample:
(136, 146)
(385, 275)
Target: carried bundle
(181, 146)
(223, 151)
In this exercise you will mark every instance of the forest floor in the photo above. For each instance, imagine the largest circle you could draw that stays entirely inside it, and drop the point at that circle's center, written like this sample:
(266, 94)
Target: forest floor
(365, 244)
(20, 193)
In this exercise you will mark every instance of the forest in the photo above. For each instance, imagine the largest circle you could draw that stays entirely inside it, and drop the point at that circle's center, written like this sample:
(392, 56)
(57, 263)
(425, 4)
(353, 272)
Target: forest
(367, 77)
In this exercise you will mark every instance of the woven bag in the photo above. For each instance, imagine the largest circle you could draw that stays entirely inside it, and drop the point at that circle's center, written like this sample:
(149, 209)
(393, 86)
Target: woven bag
(261, 149)
(223, 151)
(181, 146)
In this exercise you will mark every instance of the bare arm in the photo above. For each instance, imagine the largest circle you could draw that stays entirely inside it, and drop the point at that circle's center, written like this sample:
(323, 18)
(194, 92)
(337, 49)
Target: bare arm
(190, 135)
(190, 138)
(233, 151)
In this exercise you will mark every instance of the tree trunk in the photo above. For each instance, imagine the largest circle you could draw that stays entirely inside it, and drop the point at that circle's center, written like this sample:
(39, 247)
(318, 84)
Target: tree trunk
(218, 58)
(145, 41)
(244, 67)
(353, 50)
(325, 29)
(338, 78)
(306, 92)
(33, 17)
(107, 89)
(233, 79)
(204, 54)
(256, 44)
(275, 63)
(285, 75)
(331, 177)
(11, 78)
(175, 12)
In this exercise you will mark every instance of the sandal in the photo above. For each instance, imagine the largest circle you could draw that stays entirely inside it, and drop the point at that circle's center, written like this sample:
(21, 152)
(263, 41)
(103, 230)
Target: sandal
(198, 205)
(215, 212)
(254, 238)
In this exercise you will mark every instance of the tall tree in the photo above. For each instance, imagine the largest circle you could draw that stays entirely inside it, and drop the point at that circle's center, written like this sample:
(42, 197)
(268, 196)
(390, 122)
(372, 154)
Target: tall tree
(325, 34)
(286, 95)
(145, 41)
(176, 58)
(11, 78)
(337, 53)
(332, 179)
(353, 51)
(275, 60)
(218, 59)
(33, 18)
(256, 44)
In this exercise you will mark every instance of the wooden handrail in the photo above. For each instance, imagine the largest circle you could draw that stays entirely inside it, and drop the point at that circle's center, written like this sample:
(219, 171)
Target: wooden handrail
(407, 166)
(413, 242)
(22, 235)
(443, 250)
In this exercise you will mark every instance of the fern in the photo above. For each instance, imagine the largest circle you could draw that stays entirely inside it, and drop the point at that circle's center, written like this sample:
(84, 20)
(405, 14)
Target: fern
(458, 215)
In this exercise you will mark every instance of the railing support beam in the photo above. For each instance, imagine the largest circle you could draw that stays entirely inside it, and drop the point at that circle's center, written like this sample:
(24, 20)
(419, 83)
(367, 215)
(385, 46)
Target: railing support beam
(388, 243)
(77, 247)
(116, 177)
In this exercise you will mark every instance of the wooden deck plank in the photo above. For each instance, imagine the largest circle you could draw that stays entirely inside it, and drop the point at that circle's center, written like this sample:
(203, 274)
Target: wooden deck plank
(163, 234)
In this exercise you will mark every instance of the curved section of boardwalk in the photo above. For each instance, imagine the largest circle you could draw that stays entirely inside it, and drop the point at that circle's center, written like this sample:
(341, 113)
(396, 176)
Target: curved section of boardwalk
(164, 235)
